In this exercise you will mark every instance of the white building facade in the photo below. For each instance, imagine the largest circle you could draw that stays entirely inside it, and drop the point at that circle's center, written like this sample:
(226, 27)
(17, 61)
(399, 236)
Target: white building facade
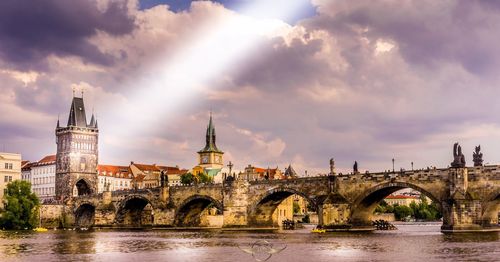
(43, 178)
(114, 177)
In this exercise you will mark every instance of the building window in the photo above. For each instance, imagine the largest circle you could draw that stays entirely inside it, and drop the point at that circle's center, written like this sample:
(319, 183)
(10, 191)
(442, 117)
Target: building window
(10, 178)
(6, 179)
(8, 165)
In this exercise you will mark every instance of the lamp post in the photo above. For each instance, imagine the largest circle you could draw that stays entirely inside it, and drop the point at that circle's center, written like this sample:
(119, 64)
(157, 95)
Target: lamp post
(393, 165)
(412, 166)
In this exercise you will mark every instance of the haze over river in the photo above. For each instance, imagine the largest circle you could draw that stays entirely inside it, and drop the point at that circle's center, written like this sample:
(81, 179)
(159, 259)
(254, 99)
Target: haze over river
(412, 242)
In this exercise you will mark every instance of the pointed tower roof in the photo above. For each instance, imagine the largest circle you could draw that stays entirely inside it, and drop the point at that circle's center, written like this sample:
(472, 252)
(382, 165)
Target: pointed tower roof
(92, 121)
(289, 172)
(210, 145)
(77, 115)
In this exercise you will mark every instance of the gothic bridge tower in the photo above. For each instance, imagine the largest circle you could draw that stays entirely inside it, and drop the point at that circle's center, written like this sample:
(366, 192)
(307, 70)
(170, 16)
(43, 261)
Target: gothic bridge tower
(77, 153)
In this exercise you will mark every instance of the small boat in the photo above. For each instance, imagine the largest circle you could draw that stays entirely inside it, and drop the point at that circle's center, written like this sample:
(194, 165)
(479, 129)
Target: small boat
(317, 230)
(40, 229)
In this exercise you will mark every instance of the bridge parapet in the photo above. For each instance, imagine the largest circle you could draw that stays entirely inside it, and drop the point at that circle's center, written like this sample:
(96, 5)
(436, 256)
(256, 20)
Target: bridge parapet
(298, 180)
(155, 190)
(425, 174)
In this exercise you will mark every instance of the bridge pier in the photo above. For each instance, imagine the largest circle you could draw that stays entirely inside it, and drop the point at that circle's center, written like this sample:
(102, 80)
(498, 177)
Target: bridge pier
(236, 203)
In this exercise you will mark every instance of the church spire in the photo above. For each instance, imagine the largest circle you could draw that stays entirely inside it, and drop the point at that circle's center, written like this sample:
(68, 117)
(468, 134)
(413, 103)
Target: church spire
(210, 145)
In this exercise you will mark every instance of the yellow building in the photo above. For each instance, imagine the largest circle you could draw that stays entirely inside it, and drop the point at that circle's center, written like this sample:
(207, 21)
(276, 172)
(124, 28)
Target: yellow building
(284, 211)
(10, 170)
(402, 200)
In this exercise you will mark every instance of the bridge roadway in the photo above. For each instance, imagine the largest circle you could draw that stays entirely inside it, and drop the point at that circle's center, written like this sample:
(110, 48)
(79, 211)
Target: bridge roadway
(469, 199)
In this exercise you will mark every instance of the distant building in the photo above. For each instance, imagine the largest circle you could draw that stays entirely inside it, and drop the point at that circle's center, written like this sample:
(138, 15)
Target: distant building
(146, 176)
(173, 174)
(210, 157)
(284, 211)
(10, 170)
(43, 178)
(401, 200)
(26, 170)
(114, 177)
(258, 173)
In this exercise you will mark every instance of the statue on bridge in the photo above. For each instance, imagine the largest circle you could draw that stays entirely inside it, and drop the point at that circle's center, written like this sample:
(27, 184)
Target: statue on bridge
(477, 156)
(332, 167)
(458, 157)
(355, 167)
(163, 179)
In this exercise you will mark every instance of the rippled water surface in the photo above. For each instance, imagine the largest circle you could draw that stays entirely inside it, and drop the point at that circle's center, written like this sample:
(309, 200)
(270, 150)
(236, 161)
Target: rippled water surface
(409, 243)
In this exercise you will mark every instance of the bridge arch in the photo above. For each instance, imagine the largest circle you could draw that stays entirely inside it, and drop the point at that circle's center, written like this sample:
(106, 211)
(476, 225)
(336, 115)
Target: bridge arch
(261, 211)
(84, 215)
(135, 210)
(365, 204)
(491, 210)
(82, 187)
(190, 211)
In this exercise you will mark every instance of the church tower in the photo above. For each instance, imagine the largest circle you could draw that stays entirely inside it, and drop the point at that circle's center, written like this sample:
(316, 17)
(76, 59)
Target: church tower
(210, 155)
(77, 153)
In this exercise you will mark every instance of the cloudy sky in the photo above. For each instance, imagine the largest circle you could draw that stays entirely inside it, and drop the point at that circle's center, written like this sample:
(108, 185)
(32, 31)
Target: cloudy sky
(288, 81)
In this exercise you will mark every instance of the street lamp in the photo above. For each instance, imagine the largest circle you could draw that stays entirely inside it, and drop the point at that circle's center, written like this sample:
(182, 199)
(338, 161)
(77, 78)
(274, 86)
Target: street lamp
(412, 166)
(393, 165)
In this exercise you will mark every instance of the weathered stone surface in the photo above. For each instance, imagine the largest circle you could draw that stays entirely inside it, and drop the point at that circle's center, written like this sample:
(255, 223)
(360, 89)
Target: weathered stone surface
(469, 199)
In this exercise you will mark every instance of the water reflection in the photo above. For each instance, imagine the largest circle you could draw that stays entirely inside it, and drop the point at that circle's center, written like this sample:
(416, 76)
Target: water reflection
(424, 242)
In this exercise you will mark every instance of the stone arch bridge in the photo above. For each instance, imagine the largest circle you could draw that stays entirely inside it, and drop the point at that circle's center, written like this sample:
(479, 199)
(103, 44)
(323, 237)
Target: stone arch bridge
(469, 199)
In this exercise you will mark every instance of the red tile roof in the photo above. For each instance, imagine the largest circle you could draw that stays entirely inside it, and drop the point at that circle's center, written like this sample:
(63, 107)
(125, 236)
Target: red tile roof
(139, 178)
(144, 167)
(47, 160)
(114, 171)
(401, 197)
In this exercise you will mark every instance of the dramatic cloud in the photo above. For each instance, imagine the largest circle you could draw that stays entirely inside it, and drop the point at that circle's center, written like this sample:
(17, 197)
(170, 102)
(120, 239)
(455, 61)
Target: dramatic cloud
(31, 31)
(364, 80)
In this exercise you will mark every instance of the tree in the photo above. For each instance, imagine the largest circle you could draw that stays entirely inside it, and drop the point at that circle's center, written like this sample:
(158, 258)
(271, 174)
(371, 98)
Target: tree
(401, 212)
(204, 177)
(187, 178)
(20, 206)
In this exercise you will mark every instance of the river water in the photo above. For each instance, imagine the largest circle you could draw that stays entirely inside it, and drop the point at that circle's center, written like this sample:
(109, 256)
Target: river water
(412, 242)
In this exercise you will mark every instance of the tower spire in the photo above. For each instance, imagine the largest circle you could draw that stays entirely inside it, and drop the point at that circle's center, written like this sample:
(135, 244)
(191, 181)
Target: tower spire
(210, 145)
(77, 115)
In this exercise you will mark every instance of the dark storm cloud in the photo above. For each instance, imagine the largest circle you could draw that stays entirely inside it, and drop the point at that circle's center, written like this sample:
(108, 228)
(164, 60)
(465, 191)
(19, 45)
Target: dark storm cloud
(280, 66)
(32, 30)
(427, 32)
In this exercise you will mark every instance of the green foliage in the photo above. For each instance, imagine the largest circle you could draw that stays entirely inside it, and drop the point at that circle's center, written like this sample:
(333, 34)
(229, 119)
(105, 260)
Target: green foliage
(20, 206)
(402, 212)
(204, 178)
(306, 219)
(383, 207)
(187, 178)
(296, 207)
(421, 211)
